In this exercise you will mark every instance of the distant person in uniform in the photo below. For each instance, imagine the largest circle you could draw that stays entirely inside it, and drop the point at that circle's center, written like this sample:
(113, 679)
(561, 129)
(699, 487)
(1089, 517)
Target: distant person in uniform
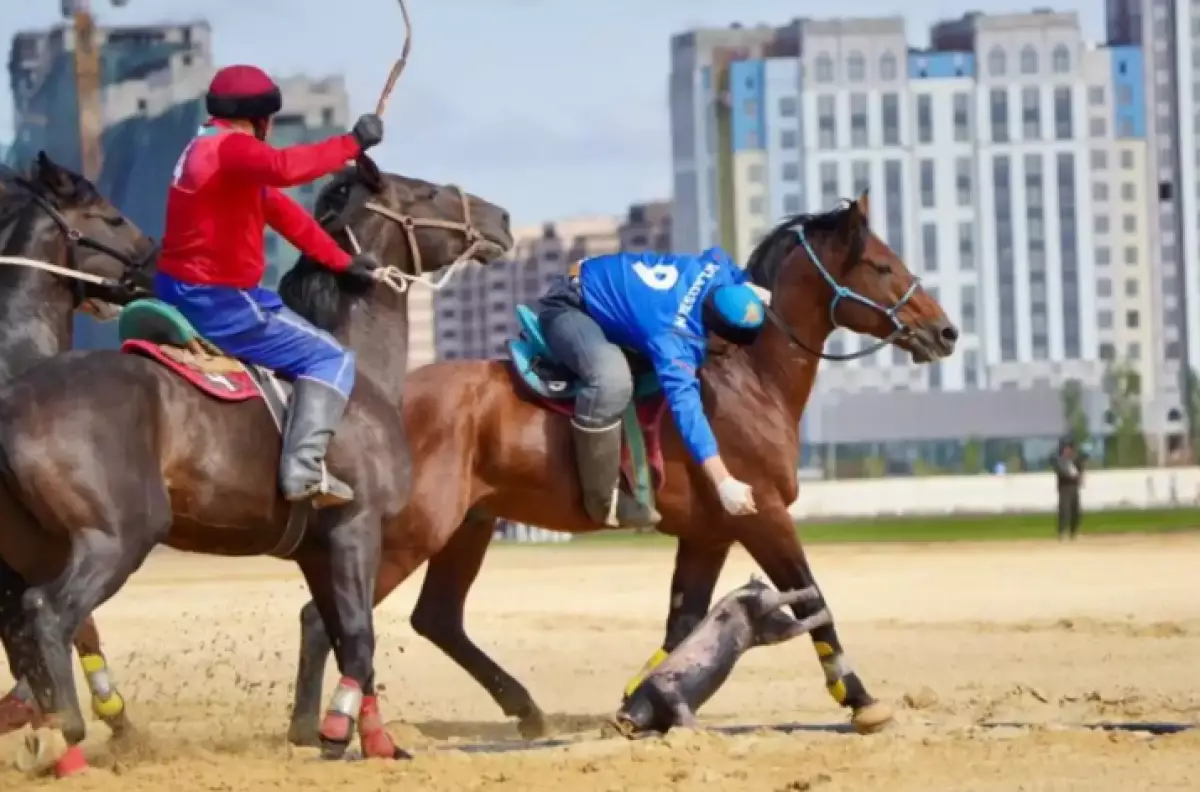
(1068, 469)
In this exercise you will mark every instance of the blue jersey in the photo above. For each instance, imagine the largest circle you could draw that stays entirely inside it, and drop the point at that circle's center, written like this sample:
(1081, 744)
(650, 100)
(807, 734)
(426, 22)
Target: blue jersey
(651, 303)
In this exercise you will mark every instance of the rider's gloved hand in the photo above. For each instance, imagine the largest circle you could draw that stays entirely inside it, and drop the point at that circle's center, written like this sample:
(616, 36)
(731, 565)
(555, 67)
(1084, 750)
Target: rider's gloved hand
(362, 272)
(736, 497)
(368, 130)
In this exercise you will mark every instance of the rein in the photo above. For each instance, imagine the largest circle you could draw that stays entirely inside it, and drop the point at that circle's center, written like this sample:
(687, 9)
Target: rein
(841, 292)
(75, 240)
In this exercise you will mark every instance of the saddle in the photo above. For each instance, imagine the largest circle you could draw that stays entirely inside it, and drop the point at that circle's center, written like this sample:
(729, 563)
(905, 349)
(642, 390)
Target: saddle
(153, 329)
(554, 387)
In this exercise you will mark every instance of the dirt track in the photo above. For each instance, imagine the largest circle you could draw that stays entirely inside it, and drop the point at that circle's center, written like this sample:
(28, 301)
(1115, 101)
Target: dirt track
(1104, 629)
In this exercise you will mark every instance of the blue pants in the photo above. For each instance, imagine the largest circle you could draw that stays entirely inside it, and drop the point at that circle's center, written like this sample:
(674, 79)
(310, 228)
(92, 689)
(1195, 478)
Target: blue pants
(255, 326)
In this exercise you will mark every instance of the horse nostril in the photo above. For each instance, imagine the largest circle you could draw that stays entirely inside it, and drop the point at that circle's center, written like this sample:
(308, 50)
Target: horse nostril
(949, 334)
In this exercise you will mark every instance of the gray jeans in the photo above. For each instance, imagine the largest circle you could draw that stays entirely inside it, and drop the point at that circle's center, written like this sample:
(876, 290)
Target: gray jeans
(578, 343)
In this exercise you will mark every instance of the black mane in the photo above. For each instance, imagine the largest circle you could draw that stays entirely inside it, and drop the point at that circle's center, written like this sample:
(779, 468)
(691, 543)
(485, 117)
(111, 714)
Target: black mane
(769, 254)
(309, 288)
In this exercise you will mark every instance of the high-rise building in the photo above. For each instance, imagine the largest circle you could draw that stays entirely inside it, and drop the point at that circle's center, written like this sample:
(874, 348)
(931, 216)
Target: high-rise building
(475, 316)
(1167, 32)
(1006, 165)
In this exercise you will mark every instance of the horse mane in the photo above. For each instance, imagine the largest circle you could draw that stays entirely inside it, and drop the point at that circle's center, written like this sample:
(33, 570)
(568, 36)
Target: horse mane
(311, 289)
(769, 254)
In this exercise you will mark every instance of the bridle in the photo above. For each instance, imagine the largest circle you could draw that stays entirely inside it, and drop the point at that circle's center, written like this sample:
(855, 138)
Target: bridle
(396, 278)
(840, 293)
(79, 280)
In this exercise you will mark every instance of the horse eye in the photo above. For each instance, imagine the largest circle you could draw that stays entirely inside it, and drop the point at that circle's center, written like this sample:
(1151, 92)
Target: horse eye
(115, 222)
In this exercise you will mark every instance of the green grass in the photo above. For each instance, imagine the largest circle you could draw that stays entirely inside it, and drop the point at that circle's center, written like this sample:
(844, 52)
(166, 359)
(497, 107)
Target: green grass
(955, 528)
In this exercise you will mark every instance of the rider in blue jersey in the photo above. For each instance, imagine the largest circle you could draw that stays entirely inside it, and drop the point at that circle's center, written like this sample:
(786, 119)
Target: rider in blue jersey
(663, 307)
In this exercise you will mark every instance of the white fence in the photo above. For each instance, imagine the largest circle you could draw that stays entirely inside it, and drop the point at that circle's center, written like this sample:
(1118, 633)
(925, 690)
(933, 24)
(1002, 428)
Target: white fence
(1021, 492)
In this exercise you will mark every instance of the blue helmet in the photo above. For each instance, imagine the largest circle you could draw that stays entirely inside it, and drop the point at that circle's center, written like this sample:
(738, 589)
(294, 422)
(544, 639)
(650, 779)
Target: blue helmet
(734, 313)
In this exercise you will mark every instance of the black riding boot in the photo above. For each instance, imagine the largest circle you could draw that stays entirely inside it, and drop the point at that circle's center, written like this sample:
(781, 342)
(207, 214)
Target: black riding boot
(598, 459)
(315, 412)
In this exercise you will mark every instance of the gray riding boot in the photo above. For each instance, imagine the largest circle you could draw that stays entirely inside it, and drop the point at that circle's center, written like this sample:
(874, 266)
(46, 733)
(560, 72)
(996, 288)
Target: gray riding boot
(315, 412)
(598, 459)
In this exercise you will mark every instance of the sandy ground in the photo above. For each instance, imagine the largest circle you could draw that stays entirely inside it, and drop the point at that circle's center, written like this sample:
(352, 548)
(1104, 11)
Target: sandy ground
(1036, 632)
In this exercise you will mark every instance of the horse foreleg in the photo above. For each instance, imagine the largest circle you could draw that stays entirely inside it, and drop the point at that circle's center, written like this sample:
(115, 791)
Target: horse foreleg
(438, 616)
(698, 565)
(341, 574)
(770, 538)
(18, 707)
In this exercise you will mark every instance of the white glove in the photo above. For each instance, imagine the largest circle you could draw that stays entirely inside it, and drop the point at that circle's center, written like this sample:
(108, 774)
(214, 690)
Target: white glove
(736, 497)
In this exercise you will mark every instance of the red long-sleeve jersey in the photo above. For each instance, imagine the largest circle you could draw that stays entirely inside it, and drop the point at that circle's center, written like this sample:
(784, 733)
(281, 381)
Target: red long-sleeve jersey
(226, 191)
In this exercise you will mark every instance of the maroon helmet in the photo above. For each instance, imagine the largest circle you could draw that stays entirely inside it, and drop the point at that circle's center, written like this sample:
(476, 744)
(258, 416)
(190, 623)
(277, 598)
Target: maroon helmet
(239, 92)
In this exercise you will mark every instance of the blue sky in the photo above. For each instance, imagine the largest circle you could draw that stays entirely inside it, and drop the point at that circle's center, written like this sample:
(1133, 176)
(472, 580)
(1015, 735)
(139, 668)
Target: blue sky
(548, 107)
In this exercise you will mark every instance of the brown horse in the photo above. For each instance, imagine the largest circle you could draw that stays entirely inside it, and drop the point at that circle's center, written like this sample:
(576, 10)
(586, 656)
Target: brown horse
(55, 216)
(94, 478)
(482, 449)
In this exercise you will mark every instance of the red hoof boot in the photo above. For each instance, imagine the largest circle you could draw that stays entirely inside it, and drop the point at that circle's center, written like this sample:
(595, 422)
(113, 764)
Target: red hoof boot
(376, 742)
(16, 713)
(337, 727)
(71, 763)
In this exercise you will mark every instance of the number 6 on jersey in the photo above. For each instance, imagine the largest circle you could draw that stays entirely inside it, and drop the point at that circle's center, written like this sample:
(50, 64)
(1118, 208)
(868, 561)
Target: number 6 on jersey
(660, 276)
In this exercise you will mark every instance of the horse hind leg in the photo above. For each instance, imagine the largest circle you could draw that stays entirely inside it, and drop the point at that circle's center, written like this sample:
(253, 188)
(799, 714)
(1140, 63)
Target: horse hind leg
(438, 616)
(18, 708)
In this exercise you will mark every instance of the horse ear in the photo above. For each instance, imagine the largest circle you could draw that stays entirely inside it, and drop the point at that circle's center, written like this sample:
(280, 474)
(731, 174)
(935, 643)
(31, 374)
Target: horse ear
(863, 204)
(52, 176)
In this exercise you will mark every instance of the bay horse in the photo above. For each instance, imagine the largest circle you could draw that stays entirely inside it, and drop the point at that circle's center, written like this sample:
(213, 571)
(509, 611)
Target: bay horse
(151, 453)
(57, 217)
(483, 447)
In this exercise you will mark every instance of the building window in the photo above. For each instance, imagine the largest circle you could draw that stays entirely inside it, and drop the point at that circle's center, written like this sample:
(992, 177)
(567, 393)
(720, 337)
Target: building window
(860, 176)
(829, 184)
(1068, 257)
(962, 117)
(963, 168)
(929, 246)
(924, 118)
(1103, 287)
(858, 120)
(891, 119)
(824, 68)
(1131, 319)
(1133, 351)
(893, 187)
(928, 184)
(966, 246)
(1100, 224)
(1097, 127)
(791, 204)
(755, 173)
(1131, 287)
(1104, 320)
(887, 67)
(1099, 192)
(971, 368)
(1099, 160)
(856, 67)
(1128, 191)
(995, 61)
(789, 139)
(826, 122)
(1005, 256)
(787, 107)
(1096, 95)
(1107, 351)
(1029, 60)
(998, 101)
(1031, 113)
(1061, 59)
(1129, 223)
(791, 172)
(968, 309)
(1131, 255)
(1064, 127)
(1103, 256)
(757, 206)
(1127, 160)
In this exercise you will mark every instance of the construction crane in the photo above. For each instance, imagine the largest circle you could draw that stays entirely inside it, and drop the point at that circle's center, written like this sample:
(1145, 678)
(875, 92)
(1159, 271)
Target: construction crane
(87, 83)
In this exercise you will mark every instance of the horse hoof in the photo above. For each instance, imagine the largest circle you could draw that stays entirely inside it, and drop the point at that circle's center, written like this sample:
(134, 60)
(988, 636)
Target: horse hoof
(379, 745)
(872, 718)
(304, 735)
(532, 725)
(16, 714)
(333, 750)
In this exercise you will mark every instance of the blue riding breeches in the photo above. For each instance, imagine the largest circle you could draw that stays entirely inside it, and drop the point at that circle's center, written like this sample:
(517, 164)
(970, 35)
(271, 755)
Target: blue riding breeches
(253, 325)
